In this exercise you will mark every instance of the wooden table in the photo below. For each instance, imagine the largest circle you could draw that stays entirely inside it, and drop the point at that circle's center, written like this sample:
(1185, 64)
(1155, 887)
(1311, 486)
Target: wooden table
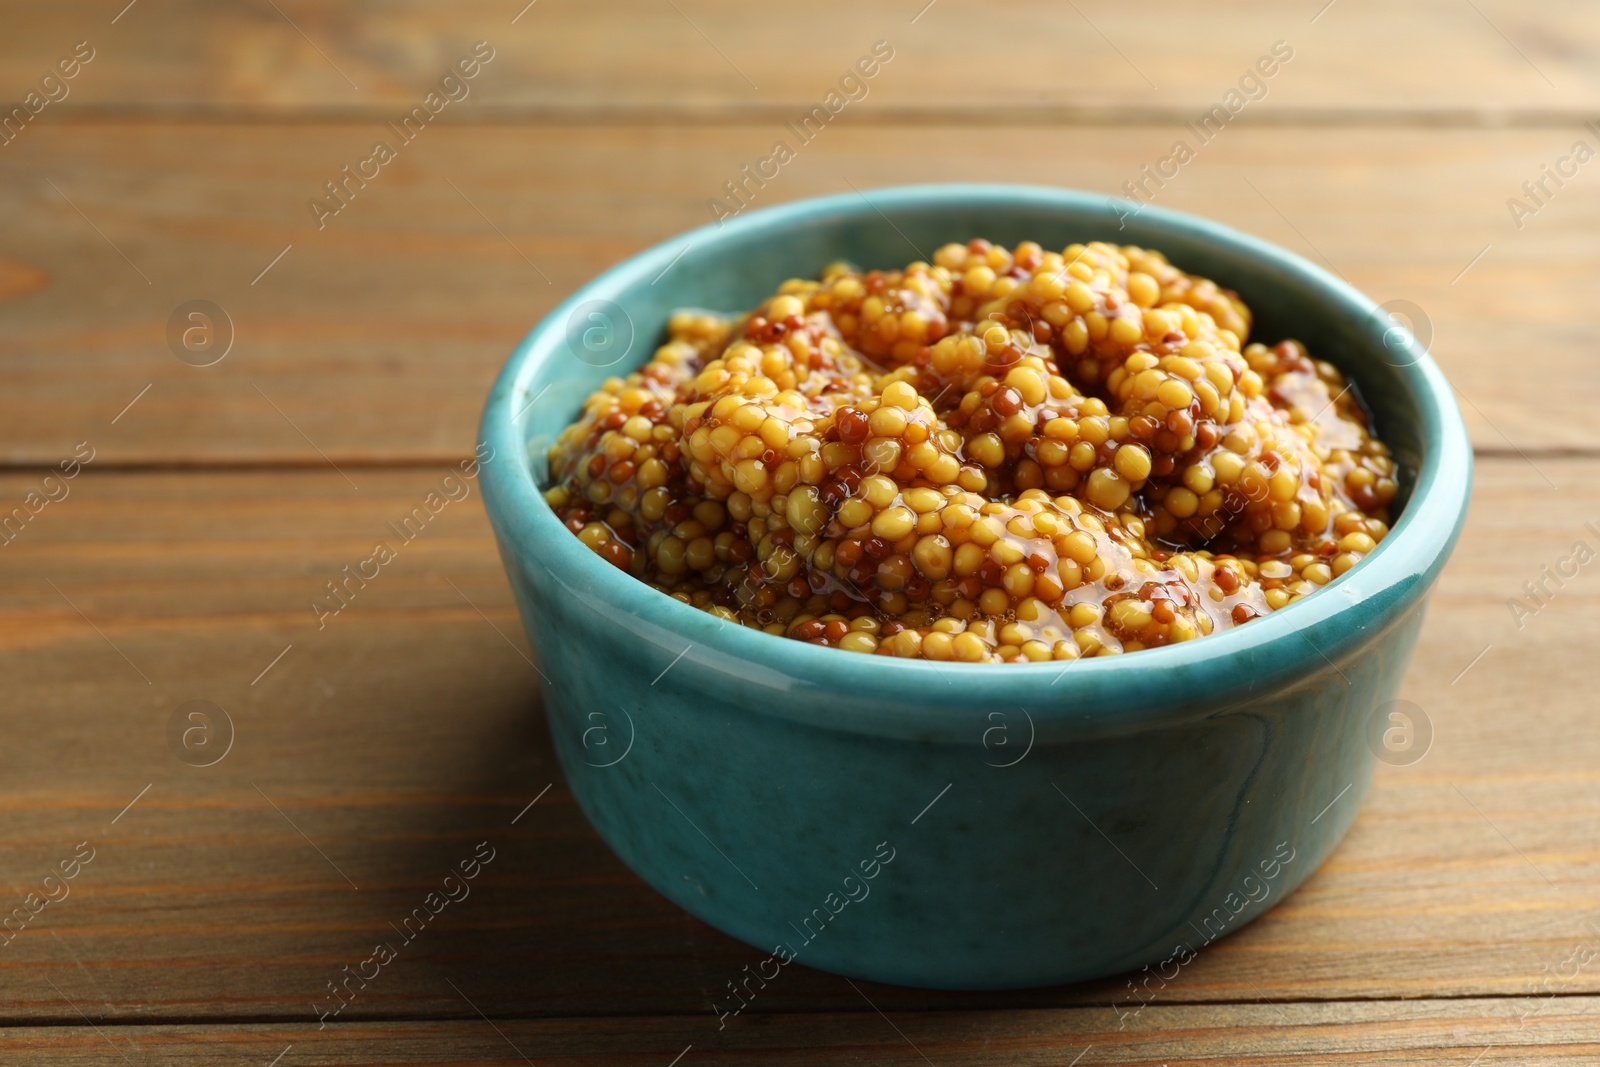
(1458, 924)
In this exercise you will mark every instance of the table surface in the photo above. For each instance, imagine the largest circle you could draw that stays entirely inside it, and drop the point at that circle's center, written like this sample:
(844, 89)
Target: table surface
(1456, 924)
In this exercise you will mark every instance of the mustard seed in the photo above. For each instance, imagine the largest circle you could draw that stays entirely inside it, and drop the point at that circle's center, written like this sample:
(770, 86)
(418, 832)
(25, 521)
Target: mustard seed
(1006, 455)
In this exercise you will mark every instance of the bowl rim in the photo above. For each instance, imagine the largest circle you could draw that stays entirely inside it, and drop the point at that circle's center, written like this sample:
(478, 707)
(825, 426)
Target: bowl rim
(1203, 675)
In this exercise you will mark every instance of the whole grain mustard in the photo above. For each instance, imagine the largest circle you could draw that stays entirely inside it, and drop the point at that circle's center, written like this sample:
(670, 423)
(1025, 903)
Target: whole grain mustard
(1005, 455)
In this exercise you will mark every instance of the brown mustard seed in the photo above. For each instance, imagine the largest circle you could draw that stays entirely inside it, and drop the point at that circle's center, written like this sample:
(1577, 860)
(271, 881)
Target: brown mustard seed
(1006, 454)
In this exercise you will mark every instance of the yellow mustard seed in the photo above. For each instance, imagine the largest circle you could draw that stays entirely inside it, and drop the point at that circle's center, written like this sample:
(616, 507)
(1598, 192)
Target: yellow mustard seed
(1008, 454)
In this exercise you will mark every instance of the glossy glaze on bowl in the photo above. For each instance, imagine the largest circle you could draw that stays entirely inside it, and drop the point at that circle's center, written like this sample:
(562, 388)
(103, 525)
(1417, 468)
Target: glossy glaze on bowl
(1088, 820)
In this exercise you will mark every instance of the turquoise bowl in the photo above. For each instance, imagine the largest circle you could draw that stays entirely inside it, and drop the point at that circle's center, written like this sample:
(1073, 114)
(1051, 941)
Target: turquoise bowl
(964, 825)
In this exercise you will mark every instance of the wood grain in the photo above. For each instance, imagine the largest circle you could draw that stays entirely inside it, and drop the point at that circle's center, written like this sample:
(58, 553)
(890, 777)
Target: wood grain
(374, 339)
(380, 749)
(1316, 1035)
(1459, 921)
(723, 57)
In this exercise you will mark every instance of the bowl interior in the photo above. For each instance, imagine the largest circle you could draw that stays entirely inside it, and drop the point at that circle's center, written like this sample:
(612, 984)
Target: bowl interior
(732, 266)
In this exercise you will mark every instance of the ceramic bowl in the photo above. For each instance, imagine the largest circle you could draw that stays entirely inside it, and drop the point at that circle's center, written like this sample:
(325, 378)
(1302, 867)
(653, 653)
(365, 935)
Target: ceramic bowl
(964, 825)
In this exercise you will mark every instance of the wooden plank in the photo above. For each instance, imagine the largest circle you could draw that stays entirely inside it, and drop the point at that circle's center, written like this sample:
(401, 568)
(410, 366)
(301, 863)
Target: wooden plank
(379, 750)
(719, 57)
(1316, 1035)
(374, 339)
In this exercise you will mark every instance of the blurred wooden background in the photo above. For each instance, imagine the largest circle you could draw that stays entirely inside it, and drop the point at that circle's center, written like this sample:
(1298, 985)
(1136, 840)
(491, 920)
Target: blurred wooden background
(1460, 921)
